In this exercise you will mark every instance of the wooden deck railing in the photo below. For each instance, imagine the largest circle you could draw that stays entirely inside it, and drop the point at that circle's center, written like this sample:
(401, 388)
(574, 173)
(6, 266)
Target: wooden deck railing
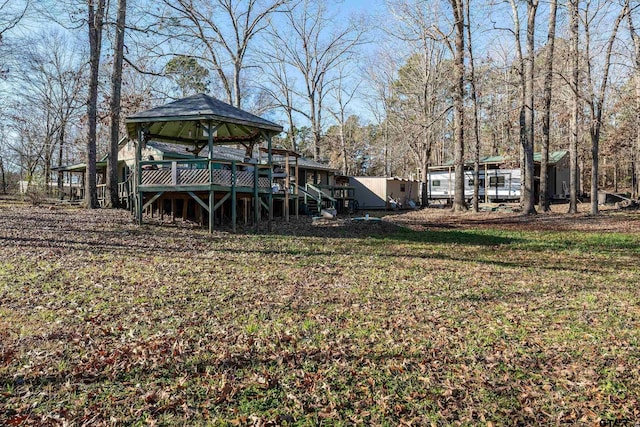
(172, 173)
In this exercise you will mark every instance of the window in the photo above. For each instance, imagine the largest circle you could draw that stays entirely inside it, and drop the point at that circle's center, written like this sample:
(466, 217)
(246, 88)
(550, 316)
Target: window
(402, 188)
(435, 183)
(481, 181)
(496, 181)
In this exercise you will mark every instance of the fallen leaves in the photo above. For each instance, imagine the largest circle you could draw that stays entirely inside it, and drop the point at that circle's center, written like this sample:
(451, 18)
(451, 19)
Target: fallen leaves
(488, 321)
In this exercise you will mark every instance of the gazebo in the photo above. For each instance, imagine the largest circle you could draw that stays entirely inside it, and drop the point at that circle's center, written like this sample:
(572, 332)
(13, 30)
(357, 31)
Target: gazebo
(197, 122)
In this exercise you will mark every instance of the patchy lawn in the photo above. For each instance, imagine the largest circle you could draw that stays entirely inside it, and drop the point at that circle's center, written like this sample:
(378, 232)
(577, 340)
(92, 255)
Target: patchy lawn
(460, 319)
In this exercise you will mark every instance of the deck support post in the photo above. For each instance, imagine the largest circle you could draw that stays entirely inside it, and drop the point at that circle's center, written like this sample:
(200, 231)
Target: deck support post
(256, 196)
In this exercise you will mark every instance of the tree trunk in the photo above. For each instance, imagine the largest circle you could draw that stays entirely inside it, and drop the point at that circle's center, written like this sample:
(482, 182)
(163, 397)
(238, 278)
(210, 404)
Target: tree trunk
(116, 86)
(636, 188)
(476, 131)
(47, 167)
(425, 181)
(573, 141)
(635, 184)
(386, 147)
(595, 142)
(522, 121)
(458, 102)
(529, 178)
(546, 121)
(4, 181)
(95, 22)
(597, 104)
(292, 131)
(315, 129)
(236, 85)
(343, 149)
(61, 135)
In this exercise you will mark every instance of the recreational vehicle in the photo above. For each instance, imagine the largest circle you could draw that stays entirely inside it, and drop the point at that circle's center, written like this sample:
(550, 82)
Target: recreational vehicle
(495, 184)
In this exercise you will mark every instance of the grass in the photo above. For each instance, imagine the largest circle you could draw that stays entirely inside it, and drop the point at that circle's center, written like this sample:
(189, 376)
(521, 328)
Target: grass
(106, 323)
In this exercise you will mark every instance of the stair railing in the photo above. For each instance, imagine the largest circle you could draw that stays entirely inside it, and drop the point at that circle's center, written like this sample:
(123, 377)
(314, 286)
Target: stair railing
(321, 194)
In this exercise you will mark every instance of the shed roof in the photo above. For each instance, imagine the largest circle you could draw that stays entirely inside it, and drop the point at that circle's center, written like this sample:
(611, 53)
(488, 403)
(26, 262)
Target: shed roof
(186, 121)
(79, 167)
(554, 157)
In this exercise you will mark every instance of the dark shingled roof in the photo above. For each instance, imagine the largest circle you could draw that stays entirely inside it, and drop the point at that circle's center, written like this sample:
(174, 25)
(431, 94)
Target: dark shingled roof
(187, 120)
(203, 106)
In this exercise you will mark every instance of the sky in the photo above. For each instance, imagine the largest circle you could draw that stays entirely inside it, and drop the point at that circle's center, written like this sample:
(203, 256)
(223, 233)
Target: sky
(488, 41)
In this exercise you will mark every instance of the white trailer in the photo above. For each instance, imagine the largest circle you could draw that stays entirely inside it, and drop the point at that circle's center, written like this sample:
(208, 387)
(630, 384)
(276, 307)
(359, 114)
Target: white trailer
(495, 184)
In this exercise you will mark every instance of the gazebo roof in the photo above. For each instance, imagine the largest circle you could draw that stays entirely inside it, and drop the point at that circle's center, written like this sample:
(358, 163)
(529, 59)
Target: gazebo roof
(186, 121)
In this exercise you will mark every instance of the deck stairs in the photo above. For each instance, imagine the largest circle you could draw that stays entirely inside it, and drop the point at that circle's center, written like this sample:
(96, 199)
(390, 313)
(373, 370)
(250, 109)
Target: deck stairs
(316, 198)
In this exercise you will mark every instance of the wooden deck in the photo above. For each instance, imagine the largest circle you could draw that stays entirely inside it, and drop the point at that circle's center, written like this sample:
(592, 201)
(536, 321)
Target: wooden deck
(211, 183)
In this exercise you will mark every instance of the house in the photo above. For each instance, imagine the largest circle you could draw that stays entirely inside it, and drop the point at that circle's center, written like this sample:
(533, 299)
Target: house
(382, 192)
(182, 158)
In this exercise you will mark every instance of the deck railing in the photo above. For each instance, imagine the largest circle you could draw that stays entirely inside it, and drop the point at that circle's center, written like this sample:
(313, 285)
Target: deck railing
(163, 173)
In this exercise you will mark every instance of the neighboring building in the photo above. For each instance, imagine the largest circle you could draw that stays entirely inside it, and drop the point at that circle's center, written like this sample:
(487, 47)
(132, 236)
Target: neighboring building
(382, 192)
(500, 180)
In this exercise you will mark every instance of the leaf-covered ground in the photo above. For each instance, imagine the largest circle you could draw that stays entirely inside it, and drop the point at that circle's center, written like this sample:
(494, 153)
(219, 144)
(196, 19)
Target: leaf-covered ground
(466, 319)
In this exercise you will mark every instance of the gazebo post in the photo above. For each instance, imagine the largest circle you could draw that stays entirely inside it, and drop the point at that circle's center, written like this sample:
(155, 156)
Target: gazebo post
(139, 197)
(212, 201)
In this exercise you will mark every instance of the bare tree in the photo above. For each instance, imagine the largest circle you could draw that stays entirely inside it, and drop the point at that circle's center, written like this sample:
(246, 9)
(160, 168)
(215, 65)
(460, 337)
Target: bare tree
(39, 88)
(526, 73)
(315, 46)
(280, 87)
(220, 32)
(575, 71)
(421, 92)
(458, 103)
(95, 23)
(116, 89)
(635, 37)
(381, 74)
(343, 95)
(529, 179)
(546, 120)
(27, 148)
(10, 16)
(474, 106)
(596, 98)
